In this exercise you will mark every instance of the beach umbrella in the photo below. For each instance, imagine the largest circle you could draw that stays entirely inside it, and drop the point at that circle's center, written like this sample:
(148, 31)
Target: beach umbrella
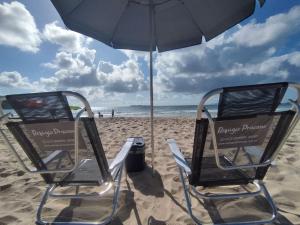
(150, 25)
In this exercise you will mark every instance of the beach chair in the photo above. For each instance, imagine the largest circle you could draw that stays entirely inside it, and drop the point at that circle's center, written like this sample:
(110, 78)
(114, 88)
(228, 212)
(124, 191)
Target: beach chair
(65, 150)
(236, 147)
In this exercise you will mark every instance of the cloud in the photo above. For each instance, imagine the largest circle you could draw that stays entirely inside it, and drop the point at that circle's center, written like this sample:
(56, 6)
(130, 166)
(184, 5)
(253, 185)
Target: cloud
(72, 61)
(124, 78)
(136, 55)
(246, 55)
(79, 70)
(14, 79)
(67, 40)
(75, 67)
(18, 28)
(73, 70)
(275, 28)
(273, 69)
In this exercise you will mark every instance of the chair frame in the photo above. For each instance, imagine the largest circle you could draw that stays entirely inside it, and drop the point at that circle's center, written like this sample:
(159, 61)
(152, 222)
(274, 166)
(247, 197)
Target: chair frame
(115, 168)
(185, 170)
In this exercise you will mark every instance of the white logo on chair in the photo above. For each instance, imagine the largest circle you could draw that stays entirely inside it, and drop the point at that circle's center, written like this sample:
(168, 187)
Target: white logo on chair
(53, 136)
(242, 132)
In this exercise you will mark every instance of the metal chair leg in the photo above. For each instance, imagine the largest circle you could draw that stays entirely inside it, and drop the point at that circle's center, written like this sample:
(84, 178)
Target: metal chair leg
(261, 189)
(46, 195)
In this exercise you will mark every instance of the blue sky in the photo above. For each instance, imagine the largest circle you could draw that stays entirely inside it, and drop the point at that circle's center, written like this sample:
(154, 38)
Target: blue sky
(38, 54)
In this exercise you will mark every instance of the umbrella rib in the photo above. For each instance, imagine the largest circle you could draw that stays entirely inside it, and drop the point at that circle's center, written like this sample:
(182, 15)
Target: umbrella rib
(156, 4)
(154, 29)
(117, 24)
(191, 15)
(69, 13)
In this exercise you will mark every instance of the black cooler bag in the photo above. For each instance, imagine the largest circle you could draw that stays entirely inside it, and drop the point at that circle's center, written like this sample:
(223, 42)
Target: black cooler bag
(135, 160)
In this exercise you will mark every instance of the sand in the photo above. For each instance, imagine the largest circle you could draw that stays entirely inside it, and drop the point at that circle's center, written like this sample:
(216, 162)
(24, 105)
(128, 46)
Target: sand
(145, 199)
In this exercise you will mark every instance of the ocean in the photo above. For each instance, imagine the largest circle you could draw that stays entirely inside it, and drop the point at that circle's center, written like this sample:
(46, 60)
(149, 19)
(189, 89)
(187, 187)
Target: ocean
(144, 111)
(188, 111)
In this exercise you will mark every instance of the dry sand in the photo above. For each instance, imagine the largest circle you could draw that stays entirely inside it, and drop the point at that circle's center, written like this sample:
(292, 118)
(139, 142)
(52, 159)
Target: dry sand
(145, 199)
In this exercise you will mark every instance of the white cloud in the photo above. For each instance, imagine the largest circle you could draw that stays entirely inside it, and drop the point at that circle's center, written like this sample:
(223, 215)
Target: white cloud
(67, 40)
(75, 68)
(18, 28)
(79, 70)
(277, 68)
(123, 78)
(72, 61)
(276, 27)
(14, 79)
(248, 55)
(136, 55)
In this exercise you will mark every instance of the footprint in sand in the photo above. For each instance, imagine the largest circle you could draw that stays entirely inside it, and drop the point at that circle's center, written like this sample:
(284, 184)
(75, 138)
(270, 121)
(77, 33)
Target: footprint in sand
(146, 205)
(20, 173)
(25, 209)
(286, 205)
(33, 191)
(4, 175)
(4, 187)
(291, 159)
(5, 220)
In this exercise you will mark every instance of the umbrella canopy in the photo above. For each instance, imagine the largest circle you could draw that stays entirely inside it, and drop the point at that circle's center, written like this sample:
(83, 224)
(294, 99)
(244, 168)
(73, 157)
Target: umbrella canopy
(149, 25)
(126, 24)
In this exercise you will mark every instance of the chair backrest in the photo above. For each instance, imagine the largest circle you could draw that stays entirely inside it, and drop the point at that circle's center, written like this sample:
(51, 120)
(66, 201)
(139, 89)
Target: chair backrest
(250, 99)
(47, 136)
(246, 134)
(45, 106)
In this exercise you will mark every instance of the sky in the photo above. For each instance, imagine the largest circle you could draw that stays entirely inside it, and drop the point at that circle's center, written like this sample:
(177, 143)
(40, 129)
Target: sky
(37, 53)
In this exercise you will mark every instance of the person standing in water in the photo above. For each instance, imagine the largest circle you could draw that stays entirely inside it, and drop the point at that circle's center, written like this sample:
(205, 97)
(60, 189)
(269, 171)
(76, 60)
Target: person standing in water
(112, 113)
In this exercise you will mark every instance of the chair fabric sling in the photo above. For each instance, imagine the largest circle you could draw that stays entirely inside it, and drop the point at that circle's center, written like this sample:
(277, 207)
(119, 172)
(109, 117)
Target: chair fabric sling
(251, 99)
(237, 103)
(29, 149)
(94, 137)
(95, 172)
(276, 139)
(51, 108)
(45, 106)
(205, 171)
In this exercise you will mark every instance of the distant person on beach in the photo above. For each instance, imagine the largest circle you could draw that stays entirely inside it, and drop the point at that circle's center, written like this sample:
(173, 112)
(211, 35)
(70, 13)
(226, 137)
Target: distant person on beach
(112, 113)
(100, 115)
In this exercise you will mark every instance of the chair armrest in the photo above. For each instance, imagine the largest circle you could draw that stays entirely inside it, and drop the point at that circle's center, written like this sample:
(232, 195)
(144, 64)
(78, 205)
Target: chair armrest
(4, 118)
(179, 158)
(53, 156)
(121, 156)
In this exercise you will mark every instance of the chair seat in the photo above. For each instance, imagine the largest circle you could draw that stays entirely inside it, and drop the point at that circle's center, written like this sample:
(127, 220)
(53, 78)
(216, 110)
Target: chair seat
(212, 175)
(87, 173)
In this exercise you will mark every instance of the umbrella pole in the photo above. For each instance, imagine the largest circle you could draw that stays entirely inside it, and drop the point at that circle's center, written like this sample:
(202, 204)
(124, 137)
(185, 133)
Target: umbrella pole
(151, 111)
(151, 83)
